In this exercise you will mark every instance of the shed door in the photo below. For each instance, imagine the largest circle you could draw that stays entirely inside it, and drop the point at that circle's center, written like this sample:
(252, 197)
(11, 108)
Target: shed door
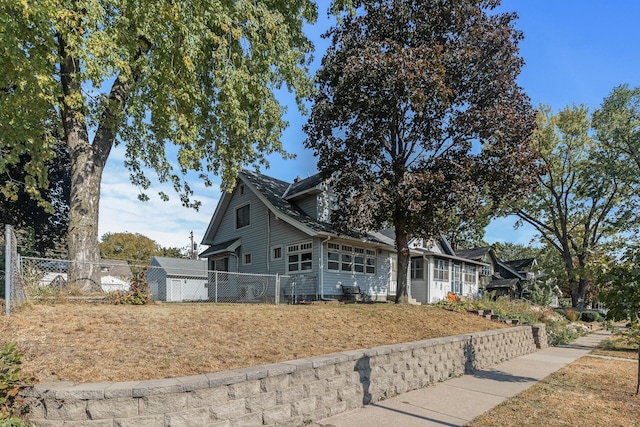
(176, 290)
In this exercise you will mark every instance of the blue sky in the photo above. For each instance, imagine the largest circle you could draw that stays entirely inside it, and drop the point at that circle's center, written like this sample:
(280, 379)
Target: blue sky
(575, 52)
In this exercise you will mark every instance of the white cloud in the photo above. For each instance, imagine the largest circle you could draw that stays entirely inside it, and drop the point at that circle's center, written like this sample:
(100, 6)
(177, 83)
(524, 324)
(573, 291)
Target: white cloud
(168, 223)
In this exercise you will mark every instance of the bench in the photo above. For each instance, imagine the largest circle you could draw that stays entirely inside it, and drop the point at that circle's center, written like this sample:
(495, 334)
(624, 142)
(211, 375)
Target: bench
(350, 293)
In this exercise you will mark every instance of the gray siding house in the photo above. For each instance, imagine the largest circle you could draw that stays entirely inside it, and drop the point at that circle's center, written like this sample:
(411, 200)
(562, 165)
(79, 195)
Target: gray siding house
(177, 279)
(270, 226)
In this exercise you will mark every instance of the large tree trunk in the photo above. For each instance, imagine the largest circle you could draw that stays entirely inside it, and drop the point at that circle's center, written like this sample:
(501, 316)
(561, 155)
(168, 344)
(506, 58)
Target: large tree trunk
(84, 251)
(402, 240)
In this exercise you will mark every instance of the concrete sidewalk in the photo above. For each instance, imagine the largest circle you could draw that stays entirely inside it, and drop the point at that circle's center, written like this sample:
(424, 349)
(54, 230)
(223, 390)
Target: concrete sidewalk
(457, 401)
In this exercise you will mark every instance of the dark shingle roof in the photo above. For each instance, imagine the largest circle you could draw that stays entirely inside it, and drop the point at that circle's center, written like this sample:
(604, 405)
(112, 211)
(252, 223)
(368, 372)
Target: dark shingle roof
(519, 264)
(502, 283)
(274, 189)
(304, 184)
(475, 253)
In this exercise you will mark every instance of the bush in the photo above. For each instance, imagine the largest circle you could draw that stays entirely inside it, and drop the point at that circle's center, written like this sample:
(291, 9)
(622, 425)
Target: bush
(559, 333)
(138, 293)
(591, 316)
(565, 302)
(11, 382)
(571, 315)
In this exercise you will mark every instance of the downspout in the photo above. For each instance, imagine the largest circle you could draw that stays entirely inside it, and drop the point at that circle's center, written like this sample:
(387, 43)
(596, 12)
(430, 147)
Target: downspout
(268, 241)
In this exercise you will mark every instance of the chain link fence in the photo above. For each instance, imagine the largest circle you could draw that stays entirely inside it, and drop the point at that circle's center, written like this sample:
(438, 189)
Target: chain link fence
(186, 281)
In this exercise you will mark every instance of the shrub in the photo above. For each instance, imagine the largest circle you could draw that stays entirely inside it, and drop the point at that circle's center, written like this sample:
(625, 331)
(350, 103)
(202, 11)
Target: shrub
(571, 315)
(561, 333)
(565, 302)
(591, 316)
(11, 382)
(138, 293)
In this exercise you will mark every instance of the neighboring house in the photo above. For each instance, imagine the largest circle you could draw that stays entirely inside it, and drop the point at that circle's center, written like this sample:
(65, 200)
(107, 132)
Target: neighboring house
(270, 226)
(178, 279)
(506, 278)
(115, 275)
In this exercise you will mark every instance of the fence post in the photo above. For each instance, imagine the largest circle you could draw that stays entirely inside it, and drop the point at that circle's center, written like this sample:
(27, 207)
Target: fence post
(216, 282)
(277, 289)
(7, 270)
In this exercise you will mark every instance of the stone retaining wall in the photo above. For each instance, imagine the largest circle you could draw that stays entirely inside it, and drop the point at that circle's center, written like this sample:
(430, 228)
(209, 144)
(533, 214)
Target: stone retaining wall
(281, 394)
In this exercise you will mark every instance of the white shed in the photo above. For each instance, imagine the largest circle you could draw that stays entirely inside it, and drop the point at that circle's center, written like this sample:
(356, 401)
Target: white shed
(178, 279)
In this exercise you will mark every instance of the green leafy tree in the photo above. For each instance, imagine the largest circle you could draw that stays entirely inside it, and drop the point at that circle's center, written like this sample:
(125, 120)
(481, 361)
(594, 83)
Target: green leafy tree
(131, 247)
(620, 293)
(408, 92)
(580, 202)
(197, 76)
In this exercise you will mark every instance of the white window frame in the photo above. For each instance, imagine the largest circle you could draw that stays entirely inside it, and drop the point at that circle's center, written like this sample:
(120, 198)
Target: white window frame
(344, 258)
(441, 270)
(486, 271)
(469, 274)
(245, 205)
(415, 269)
(303, 253)
(370, 262)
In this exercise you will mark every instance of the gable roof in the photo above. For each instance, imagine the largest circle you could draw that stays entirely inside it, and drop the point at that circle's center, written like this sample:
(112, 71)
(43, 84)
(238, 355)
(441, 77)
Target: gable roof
(181, 266)
(301, 186)
(520, 264)
(475, 254)
(273, 193)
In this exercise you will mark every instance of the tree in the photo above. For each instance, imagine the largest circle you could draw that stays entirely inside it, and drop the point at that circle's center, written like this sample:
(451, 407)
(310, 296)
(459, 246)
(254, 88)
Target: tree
(579, 204)
(408, 92)
(40, 222)
(194, 76)
(620, 293)
(131, 247)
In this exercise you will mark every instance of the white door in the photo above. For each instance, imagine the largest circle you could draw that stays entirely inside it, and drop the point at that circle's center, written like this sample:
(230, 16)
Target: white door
(176, 290)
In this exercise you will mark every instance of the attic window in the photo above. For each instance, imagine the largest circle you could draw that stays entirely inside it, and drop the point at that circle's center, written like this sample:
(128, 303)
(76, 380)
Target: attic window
(241, 189)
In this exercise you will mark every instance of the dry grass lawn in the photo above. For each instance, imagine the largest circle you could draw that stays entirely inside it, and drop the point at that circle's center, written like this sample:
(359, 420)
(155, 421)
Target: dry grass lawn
(591, 391)
(87, 343)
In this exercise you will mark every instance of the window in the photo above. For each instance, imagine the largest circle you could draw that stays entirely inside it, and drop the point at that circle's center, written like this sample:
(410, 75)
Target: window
(242, 189)
(299, 257)
(276, 252)
(221, 264)
(333, 256)
(441, 270)
(349, 259)
(247, 258)
(417, 268)
(370, 262)
(486, 271)
(469, 275)
(243, 216)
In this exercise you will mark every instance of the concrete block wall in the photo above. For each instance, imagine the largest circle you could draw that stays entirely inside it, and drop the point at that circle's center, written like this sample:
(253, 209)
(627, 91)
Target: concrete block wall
(282, 394)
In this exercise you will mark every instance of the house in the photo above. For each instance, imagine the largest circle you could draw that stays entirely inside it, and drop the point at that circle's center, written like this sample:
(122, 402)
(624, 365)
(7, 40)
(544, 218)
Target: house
(178, 279)
(266, 225)
(504, 278)
(115, 275)
(270, 226)
(437, 270)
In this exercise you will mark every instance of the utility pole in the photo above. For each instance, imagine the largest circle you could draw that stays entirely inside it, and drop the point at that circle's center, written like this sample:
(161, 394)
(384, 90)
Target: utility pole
(192, 256)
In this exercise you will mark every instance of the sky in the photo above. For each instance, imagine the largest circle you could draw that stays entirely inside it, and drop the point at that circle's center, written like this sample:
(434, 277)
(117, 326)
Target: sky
(575, 52)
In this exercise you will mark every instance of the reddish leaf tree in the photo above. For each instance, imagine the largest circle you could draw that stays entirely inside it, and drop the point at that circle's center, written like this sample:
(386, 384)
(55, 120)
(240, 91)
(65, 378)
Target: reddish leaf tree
(418, 117)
